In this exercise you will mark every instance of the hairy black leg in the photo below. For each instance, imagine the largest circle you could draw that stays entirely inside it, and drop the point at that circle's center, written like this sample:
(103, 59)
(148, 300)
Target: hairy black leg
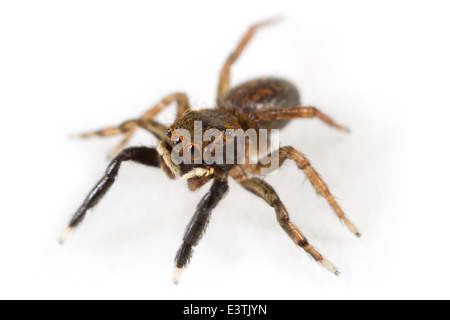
(198, 224)
(143, 155)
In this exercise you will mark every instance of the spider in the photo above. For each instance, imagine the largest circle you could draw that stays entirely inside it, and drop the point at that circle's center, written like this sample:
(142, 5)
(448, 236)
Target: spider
(257, 104)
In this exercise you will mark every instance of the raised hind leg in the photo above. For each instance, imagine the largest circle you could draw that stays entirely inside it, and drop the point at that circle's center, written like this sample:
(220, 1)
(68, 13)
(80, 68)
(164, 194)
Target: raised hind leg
(130, 126)
(263, 190)
(224, 81)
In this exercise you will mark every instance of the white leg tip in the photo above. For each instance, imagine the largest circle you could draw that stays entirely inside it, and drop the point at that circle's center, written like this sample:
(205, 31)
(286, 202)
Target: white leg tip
(351, 227)
(330, 267)
(177, 275)
(65, 234)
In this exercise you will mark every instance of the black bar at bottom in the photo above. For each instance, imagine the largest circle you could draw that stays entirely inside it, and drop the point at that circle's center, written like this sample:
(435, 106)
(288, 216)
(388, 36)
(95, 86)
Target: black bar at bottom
(218, 309)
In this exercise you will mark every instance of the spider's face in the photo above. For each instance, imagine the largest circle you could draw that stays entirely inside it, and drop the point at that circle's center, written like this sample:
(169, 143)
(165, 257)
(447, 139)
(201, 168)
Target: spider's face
(201, 137)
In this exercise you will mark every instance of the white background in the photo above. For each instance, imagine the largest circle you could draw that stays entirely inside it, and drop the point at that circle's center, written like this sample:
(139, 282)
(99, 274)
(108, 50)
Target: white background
(380, 67)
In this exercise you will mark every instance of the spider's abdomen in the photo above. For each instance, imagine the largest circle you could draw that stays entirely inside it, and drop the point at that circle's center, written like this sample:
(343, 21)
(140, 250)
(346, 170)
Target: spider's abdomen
(260, 94)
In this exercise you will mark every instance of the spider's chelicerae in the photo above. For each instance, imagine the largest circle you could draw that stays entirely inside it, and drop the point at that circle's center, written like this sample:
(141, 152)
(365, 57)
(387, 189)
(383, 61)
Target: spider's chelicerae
(265, 103)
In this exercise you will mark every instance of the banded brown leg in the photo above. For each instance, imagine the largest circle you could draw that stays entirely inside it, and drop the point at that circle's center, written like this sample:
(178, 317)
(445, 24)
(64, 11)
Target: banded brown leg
(319, 185)
(224, 80)
(296, 112)
(263, 190)
(130, 126)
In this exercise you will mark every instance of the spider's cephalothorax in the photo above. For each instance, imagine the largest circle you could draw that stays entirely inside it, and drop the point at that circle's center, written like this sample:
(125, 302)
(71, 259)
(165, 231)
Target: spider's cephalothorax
(203, 146)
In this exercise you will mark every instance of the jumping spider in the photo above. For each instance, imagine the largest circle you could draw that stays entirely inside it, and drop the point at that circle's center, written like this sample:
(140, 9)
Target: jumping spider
(261, 103)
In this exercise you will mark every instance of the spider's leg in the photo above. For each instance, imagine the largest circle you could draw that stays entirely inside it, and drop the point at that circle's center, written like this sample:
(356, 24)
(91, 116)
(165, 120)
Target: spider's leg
(224, 81)
(319, 185)
(130, 126)
(296, 112)
(143, 155)
(156, 128)
(198, 224)
(263, 190)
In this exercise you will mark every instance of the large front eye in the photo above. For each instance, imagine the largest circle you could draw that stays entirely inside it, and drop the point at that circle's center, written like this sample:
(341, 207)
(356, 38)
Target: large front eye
(176, 140)
(169, 133)
(193, 151)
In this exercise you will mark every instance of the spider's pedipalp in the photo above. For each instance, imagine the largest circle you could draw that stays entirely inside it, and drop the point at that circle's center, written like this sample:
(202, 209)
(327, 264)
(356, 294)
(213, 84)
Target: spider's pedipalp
(198, 172)
(170, 168)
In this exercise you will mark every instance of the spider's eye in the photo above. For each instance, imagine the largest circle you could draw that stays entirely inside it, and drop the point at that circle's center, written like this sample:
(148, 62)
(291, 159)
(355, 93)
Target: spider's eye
(190, 150)
(169, 133)
(193, 152)
(176, 141)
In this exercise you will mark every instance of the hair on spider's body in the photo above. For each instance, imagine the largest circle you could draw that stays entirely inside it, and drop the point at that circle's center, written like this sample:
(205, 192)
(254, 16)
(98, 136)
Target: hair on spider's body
(264, 103)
